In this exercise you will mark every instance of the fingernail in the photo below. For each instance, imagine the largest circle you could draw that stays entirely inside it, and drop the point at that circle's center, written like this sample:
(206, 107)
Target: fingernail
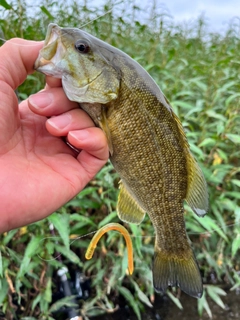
(79, 134)
(60, 122)
(41, 100)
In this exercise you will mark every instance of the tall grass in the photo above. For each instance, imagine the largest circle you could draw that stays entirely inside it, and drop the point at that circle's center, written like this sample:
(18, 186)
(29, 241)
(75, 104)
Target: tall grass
(199, 72)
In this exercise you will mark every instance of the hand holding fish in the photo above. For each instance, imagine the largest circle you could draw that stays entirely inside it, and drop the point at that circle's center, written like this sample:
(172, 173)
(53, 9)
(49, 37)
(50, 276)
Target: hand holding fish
(38, 171)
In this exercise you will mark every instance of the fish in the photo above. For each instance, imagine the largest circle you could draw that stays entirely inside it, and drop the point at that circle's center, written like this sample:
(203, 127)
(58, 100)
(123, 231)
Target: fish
(147, 145)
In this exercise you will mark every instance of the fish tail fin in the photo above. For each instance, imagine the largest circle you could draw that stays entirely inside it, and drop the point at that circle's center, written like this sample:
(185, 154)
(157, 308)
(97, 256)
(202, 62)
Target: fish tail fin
(168, 270)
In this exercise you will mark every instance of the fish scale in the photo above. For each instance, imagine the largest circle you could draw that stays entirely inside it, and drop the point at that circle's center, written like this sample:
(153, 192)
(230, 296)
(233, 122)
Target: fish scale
(147, 143)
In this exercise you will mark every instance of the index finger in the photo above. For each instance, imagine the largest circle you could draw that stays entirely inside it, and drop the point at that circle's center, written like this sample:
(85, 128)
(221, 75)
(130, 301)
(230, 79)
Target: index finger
(17, 57)
(52, 82)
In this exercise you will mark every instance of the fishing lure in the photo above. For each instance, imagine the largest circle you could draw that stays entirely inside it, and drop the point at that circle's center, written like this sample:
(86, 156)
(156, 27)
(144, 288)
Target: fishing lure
(101, 232)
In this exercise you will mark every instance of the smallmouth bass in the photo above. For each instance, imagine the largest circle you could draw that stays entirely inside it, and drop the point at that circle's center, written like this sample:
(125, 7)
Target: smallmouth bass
(148, 147)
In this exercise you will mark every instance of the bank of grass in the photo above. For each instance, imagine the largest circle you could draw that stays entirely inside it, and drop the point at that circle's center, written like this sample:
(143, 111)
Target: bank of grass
(199, 72)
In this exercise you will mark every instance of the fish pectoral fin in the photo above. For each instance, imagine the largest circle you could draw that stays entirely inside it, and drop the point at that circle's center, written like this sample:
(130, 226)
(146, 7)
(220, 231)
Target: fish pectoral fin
(197, 194)
(169, 270)
(104, 126)
(127, 207)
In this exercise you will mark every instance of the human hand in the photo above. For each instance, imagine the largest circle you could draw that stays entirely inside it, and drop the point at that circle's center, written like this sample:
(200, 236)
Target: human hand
(38, 171)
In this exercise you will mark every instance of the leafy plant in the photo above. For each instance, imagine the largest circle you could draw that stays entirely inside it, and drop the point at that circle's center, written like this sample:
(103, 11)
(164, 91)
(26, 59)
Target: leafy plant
(199, 73)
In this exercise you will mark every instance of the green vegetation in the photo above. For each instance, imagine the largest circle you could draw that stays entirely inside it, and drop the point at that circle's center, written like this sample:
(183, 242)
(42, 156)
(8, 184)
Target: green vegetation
(199, 72)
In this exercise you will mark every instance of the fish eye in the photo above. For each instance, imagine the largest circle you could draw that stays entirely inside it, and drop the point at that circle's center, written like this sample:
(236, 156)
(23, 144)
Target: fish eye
(82, 46)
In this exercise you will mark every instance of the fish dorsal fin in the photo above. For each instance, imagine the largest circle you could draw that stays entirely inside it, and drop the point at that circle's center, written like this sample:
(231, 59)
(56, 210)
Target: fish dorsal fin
(104, 126)
(197, 195)
(127, 207)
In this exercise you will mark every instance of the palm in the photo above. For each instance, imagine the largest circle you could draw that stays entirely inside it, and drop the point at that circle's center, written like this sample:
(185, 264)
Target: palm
(38, 171)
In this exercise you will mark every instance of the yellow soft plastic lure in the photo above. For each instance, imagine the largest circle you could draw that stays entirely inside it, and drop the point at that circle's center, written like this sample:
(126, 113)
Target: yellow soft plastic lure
(100, 233)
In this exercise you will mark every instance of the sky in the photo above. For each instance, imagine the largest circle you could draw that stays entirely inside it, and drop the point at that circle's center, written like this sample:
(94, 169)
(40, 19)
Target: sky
(218, 12)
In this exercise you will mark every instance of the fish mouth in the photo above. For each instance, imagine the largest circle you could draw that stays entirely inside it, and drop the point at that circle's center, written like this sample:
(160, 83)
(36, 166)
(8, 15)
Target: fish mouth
(51, 53)
(53, 61)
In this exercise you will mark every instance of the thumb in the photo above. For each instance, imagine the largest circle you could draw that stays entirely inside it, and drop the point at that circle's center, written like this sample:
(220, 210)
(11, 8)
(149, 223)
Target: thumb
(9, 117)
(17, 57)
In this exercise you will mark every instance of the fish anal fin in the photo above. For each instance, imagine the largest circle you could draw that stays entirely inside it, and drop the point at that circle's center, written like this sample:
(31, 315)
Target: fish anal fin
(127, 207)
(197, 194)
(169, 270)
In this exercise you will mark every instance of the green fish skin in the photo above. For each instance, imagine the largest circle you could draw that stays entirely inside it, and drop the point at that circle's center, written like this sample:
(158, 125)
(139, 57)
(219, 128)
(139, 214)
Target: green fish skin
(148, 147)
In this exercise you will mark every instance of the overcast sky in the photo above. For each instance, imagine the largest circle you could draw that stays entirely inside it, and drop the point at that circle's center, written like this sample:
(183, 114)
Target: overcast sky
(217, 12)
